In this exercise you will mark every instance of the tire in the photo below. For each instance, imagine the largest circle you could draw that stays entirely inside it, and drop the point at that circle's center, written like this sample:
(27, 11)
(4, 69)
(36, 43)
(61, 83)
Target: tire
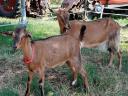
(10, 8)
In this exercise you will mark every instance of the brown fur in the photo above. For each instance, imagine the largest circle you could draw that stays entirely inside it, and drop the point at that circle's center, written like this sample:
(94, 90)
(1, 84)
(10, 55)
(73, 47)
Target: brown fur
(98, 33)
(51, 52)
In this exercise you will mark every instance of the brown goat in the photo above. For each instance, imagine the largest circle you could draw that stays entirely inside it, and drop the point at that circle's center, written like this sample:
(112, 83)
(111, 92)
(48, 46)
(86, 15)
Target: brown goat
(103, 33)
(49, 53)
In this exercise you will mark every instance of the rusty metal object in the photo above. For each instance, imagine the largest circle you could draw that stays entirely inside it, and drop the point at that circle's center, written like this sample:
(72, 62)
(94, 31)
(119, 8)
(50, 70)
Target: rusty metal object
(39, 7)
(11, 8)
(70, 4)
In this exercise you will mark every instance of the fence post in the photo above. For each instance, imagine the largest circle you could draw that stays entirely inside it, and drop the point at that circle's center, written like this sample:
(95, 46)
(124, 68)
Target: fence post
(23, 20)
(101, 14)
(85, 9)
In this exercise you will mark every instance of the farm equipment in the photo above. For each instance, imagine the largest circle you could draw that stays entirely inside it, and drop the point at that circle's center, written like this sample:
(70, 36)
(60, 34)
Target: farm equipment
(96, 7)
(11, 8)
(110, 7)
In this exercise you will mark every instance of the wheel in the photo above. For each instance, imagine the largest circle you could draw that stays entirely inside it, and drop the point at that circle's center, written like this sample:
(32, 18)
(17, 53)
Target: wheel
(9, 8)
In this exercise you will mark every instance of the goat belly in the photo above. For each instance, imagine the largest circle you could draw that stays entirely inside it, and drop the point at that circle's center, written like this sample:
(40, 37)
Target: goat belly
(56, 59)
(55, 65)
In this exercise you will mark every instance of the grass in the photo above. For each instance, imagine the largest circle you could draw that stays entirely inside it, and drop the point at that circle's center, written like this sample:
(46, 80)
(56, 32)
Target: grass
(103, 81)
(41, 28)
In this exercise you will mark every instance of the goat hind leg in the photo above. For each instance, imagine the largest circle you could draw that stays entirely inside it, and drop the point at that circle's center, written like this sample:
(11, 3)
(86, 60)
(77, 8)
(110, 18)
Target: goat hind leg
(119, 54)
(111, 58)
(85, 79)
(84, 76)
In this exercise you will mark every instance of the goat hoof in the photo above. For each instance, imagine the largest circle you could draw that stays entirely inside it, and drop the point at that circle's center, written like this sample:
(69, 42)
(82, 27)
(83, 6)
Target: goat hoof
(109, 66)
(73, 83)
(87, 92)
(120, 68)
(27, 94)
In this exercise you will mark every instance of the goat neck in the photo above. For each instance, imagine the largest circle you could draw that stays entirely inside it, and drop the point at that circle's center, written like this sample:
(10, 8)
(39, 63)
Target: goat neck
(28, 51)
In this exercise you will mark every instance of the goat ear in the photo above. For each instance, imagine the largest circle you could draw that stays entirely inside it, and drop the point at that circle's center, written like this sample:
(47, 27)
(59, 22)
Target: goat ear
(53, 11)
(9, 33)
(28, 34)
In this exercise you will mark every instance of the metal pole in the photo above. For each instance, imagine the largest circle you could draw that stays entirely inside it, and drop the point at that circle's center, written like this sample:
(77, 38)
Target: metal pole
(101, 14)
(85, 9)
(23, 20)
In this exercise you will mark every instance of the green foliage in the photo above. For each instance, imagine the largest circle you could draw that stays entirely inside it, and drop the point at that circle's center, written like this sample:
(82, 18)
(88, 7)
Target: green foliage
(43, 29)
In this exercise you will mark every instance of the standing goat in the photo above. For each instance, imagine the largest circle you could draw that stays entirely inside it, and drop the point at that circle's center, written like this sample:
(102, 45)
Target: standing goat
(103, 33)
(49, 53)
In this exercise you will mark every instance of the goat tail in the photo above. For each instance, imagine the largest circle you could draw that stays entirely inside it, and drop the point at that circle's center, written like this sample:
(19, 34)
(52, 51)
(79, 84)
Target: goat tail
(82, 31)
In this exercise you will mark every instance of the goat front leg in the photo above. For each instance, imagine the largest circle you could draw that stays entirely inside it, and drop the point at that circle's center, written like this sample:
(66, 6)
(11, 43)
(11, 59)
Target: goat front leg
(29, 83)
(84, 76)
(85, 79)
(41, 82)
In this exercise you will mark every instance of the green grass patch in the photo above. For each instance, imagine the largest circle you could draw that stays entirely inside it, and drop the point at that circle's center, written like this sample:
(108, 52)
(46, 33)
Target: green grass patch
(8, 92)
